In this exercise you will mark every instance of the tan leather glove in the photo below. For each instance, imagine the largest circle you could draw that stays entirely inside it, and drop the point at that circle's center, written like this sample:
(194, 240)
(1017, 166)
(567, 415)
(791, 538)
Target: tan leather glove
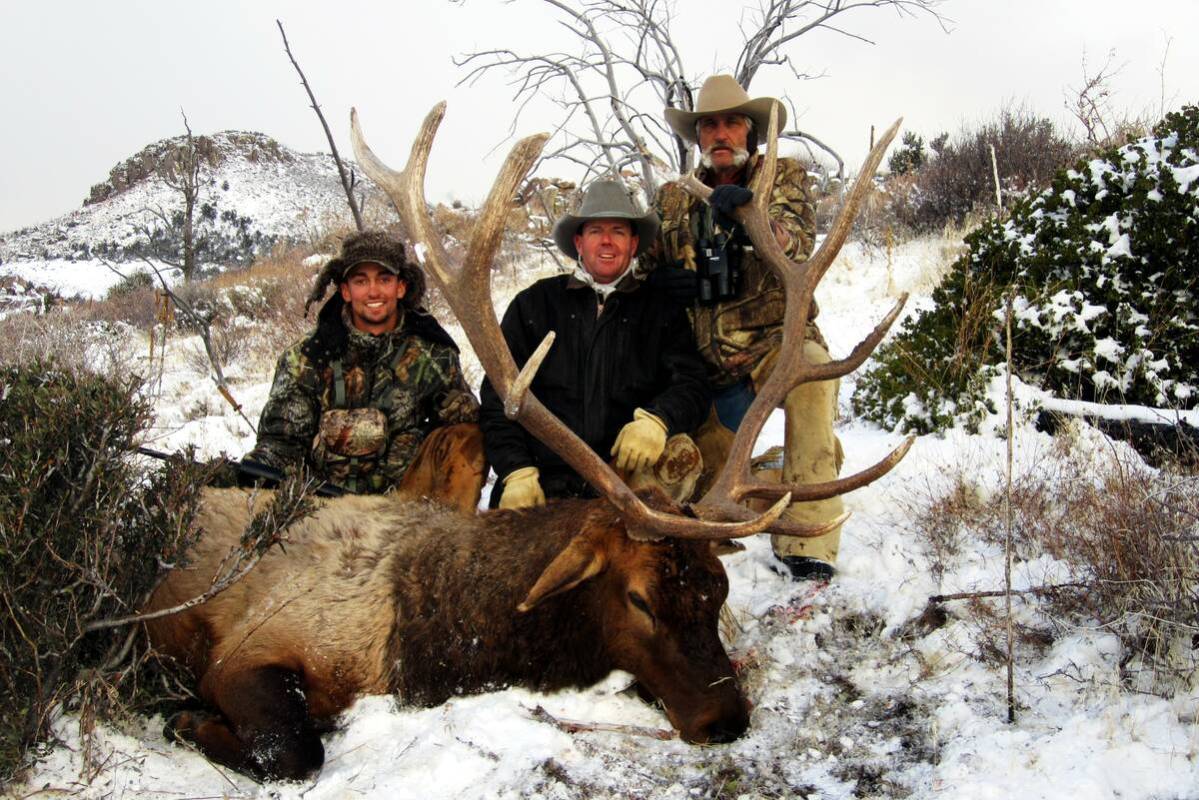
(522, 489)
(640, 443)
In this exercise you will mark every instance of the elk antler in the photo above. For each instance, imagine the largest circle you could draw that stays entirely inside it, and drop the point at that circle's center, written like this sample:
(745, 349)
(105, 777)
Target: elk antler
(467, 289)
(799, 280)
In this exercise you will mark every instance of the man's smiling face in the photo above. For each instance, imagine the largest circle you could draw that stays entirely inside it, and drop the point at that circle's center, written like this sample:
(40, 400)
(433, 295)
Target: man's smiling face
(605, 247)
(373, 294)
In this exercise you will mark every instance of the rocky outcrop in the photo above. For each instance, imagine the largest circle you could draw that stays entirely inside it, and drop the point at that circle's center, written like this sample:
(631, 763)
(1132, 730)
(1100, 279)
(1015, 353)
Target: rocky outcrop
(157, 158)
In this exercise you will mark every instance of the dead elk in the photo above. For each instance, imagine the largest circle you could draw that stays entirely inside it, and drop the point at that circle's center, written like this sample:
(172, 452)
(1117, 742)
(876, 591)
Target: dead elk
(381, 595)
(377, 595)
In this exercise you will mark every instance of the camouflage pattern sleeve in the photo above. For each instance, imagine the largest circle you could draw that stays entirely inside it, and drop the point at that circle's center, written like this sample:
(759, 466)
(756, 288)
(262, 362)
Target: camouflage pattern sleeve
(433, 377)
(454, 402)
(672, 248)
(291, 415)
(792, 207)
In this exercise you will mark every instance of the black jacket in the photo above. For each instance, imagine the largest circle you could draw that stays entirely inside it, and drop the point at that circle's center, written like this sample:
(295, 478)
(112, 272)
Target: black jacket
(638, 353)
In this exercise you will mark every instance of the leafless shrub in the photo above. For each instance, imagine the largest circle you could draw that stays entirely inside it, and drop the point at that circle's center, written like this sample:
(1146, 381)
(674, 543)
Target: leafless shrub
(1092, 103)
(229, 344)
(1129, 535)
(958, 180)
(134, 305)
(70, 339)
(877, 225)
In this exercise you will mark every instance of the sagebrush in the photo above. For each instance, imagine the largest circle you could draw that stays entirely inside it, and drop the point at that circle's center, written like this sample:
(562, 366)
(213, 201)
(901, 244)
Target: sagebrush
(84, 532)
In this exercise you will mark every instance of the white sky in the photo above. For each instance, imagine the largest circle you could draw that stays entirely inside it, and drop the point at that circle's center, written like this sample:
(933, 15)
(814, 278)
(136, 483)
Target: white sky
(86, 84)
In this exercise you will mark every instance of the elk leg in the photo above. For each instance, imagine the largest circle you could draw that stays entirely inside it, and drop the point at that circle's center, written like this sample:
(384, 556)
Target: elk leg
(449, 468)
(263, 729)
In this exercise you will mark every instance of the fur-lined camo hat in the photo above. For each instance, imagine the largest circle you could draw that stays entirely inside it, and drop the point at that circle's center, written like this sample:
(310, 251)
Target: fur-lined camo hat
(373, 247)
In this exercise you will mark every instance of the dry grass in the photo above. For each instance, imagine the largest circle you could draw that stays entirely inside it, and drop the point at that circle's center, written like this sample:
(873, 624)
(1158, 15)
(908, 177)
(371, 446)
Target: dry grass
(71, 342)
(1129, 535)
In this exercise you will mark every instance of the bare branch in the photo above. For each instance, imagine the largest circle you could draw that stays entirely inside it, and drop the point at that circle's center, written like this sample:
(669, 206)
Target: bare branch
(573, 726)
(346, 181)
(292, 502)
(778, 23)
(627, 68)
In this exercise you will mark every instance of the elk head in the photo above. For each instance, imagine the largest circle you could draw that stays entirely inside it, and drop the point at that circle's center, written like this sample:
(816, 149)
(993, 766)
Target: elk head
(659, 602)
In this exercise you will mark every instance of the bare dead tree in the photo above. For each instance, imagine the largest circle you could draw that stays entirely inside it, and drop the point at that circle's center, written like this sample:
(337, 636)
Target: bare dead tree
(776, 24)
(626, 66)
(182, 170)
(347, 175)
(1091, 102)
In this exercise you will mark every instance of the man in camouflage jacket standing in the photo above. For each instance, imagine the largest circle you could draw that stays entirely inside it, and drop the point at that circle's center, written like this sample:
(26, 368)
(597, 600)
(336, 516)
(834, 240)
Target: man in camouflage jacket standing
(374, 398)
(704, 259)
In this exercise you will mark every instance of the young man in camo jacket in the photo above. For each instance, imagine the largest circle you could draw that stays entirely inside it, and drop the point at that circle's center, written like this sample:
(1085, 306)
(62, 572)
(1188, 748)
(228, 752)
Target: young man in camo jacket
(374, 399)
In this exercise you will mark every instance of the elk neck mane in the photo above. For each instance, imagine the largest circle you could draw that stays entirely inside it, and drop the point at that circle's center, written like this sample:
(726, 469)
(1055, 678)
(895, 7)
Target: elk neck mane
(457, 630)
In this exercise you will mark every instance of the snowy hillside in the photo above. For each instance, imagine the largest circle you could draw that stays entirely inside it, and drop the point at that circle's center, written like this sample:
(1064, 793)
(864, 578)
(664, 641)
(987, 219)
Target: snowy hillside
(860, 689)
(254, 192)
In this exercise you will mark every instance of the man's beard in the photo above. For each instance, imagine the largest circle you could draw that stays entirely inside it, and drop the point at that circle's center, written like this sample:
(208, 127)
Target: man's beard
(740, 156)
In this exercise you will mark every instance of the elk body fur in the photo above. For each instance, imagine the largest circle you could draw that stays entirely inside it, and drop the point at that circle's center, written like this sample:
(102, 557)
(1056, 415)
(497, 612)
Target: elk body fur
(378, 595)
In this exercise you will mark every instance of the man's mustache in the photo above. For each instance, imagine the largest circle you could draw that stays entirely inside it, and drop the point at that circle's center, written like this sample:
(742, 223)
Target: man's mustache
(740, 154)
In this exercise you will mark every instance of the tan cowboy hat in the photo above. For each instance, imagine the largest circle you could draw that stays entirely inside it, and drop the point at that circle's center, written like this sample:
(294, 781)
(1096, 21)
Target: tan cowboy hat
(721, 94)
(606, 199)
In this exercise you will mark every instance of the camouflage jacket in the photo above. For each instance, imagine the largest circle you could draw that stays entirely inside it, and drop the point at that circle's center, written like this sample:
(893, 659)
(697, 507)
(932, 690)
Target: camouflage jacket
(396, 388)
(734, 336)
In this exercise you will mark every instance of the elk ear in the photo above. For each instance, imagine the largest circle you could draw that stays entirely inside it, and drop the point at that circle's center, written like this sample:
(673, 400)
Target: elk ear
(579, 561)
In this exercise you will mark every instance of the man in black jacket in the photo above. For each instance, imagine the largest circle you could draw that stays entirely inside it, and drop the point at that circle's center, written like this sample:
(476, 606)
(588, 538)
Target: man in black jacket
(623, 373)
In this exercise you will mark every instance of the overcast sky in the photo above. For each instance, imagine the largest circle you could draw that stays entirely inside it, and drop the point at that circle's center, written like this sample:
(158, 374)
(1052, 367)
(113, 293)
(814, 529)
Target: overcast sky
(86, 84)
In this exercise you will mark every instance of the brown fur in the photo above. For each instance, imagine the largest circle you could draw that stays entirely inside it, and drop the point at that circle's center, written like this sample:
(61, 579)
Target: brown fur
(381, 594)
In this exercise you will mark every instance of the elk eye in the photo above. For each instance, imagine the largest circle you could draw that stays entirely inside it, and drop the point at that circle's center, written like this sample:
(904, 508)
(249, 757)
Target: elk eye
(642, 606)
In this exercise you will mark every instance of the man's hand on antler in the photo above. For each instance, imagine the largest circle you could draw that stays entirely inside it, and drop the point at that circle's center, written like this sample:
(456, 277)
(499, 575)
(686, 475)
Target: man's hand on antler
(640, 443)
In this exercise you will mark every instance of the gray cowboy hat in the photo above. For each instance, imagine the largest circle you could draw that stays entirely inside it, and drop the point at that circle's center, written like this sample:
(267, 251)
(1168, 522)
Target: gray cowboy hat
(721, 94)
(606, 199)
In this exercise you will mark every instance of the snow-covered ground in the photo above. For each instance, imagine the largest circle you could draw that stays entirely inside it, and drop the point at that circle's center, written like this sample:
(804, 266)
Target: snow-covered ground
(853, 696)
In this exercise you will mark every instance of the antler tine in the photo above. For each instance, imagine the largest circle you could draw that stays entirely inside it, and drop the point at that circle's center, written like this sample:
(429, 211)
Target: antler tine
(399, 187)
(803, 492)
(840, 230)
(858, 356)
(467, 289)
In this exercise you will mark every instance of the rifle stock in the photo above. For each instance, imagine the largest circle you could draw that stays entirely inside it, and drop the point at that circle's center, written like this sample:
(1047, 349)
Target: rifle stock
(256, 472)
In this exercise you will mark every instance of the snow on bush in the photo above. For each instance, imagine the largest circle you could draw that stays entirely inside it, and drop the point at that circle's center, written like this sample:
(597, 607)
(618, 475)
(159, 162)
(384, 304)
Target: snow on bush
(1101, 267)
